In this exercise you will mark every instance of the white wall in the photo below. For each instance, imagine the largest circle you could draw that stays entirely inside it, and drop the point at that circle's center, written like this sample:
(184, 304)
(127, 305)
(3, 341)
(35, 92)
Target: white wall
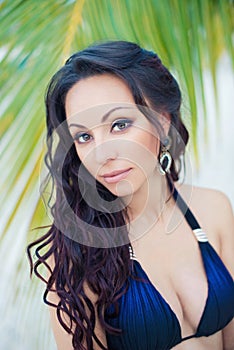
(217, 157)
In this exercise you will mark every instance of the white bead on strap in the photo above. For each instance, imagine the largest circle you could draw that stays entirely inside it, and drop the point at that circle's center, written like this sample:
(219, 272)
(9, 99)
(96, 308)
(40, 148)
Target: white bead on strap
(200, 235)
(132, 254)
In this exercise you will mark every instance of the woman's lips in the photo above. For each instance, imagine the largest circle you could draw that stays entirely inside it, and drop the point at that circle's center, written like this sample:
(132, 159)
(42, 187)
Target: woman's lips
(117, 177)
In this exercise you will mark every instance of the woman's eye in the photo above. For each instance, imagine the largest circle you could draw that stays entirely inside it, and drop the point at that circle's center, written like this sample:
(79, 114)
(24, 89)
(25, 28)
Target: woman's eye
(81, 138)
(121, 124)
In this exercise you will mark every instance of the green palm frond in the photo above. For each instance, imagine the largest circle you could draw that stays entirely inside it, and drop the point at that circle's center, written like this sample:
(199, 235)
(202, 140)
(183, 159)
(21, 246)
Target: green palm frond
(36, 38)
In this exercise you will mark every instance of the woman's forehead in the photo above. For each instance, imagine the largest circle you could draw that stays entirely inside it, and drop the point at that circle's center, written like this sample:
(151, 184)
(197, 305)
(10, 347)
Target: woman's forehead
(97, 90)
(100, 99)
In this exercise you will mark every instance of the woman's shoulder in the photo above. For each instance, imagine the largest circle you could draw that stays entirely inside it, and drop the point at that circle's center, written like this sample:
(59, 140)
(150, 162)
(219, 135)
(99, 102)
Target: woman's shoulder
(212, 206)
(207, 202)
(213, 210)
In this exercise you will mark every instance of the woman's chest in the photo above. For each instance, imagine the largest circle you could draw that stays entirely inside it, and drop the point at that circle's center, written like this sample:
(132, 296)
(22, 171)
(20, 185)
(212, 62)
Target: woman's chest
(177, 273)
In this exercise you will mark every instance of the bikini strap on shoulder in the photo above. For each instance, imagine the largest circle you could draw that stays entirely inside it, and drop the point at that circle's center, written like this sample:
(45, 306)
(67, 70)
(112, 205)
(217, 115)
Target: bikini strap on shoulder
(190, 218)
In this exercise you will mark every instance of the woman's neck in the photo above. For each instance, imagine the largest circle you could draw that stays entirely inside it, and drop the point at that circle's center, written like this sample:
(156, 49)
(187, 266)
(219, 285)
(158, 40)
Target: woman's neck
(149, 201)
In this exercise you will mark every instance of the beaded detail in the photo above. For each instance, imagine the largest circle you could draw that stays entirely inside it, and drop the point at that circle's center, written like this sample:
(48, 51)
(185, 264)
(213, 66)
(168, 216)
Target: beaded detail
(132, 254)
(200, 235)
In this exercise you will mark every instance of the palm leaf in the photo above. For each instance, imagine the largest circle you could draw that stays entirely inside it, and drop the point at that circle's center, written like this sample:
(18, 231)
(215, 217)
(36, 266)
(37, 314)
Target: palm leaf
(36, 38)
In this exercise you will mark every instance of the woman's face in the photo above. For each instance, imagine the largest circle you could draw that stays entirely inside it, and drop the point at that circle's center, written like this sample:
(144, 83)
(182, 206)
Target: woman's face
(113, 139)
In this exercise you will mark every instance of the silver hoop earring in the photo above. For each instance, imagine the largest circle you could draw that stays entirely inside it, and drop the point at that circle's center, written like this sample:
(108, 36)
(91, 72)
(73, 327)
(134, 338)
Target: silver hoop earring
(165, 158)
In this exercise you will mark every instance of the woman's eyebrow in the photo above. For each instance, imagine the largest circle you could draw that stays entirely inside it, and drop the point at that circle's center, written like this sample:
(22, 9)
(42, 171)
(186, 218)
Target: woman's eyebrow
(104, 117)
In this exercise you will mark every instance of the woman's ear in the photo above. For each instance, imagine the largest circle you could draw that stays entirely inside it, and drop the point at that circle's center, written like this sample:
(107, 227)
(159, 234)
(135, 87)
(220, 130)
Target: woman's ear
(166, 122)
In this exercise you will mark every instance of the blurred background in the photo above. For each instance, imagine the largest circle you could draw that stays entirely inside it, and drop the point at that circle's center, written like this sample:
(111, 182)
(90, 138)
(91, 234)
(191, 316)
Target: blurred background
(194, 39)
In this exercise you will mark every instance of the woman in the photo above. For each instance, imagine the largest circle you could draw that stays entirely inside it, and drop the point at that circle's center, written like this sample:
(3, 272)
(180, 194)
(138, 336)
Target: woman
(117, 280)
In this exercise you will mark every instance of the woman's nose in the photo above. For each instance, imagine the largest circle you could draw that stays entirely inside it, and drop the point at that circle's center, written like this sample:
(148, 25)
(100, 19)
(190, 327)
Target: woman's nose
(105, 151)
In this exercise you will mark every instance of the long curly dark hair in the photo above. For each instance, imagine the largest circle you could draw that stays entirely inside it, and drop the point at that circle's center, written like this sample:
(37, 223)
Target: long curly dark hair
(106, 267)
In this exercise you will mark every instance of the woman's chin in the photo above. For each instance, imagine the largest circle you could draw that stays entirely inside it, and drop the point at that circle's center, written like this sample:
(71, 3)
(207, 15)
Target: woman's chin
(123, 189)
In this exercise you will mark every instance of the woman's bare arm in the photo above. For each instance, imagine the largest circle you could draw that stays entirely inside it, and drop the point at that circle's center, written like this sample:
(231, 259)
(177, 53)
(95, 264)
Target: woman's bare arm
(227, 254)
(62, 338)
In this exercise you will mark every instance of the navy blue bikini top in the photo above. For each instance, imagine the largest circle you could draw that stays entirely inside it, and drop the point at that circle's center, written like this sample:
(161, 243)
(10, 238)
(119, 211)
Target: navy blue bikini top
(147, 320)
